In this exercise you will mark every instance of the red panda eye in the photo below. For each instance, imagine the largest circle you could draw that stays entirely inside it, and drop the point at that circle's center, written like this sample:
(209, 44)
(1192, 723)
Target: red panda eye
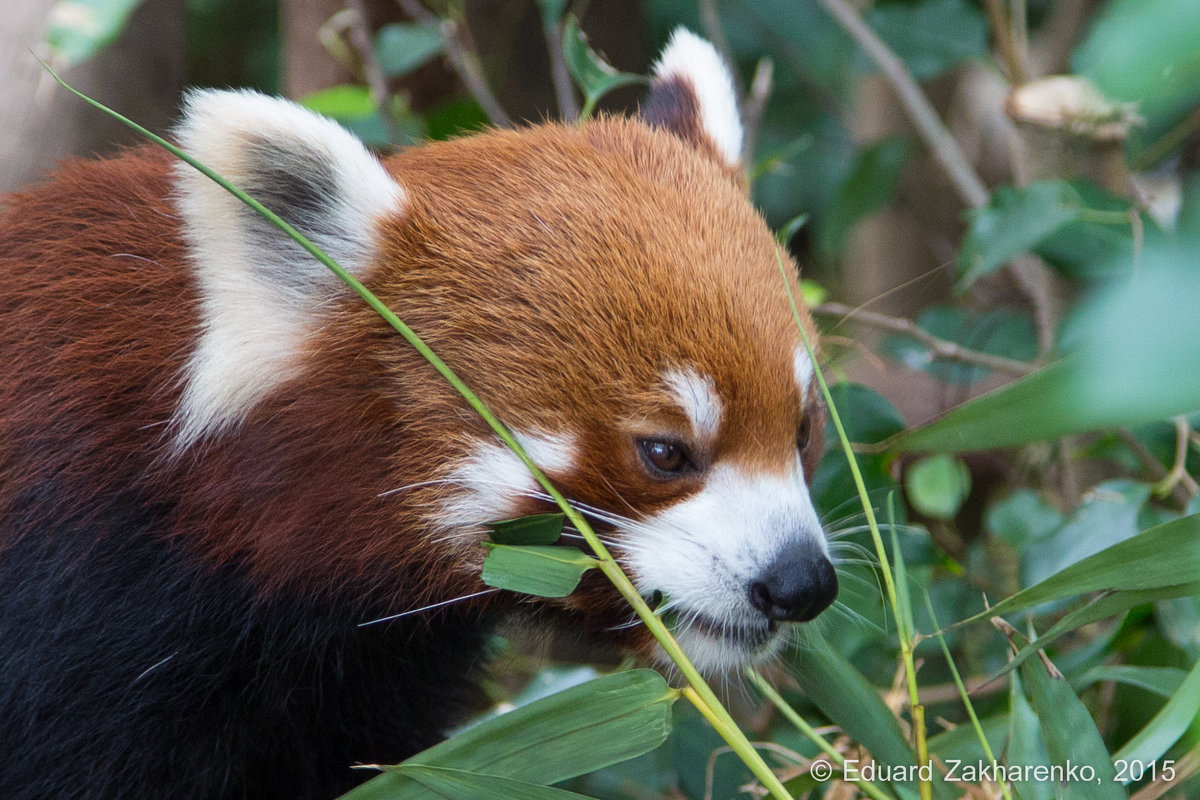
(664, 458)
(802, 434)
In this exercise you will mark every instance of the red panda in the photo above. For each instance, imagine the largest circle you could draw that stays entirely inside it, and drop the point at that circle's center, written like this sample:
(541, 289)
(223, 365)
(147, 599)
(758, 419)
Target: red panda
(216, 461)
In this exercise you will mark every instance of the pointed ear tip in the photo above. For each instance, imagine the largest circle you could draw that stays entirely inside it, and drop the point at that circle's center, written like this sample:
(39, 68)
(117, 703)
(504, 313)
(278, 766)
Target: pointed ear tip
(692, 60)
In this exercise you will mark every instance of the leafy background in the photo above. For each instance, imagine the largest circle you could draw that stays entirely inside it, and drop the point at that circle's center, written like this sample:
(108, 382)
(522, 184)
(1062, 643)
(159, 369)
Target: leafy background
(1004, 271)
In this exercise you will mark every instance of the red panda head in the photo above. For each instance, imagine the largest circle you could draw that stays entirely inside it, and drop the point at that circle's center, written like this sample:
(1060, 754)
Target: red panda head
(606, 288)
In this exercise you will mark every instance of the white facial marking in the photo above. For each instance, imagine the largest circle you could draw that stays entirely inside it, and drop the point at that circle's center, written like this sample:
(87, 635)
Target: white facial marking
(260, 295)
(697, 396)
(704, 552)
(553, 453)
(492, 482)
(691, 59)
(802, 368)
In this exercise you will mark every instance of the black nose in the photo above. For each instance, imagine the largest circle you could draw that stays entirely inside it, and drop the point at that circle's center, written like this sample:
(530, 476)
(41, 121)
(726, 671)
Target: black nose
(799, 584)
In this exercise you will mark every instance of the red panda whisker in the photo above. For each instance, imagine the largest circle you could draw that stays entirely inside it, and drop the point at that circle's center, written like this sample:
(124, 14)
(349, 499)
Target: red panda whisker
(572, 533)
(429, 607)
(624, 626)
(850, 615)
(831, 517)
(864, 555)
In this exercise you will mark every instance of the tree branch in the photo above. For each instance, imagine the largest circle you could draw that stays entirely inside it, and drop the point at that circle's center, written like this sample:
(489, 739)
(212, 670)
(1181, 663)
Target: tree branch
(463, 59)
(918, 108)
(940, 348)
(564, 87)
(755, 105)
(358, 33)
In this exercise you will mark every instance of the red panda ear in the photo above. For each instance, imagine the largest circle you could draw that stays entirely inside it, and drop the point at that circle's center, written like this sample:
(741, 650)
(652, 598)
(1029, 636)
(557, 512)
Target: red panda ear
(691, 95)
(260, 293)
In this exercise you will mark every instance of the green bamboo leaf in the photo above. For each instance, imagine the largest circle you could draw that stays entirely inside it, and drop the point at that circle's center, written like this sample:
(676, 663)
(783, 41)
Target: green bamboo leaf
(1071, 738)
(536, 569)
(1013, 222)
(576, 731)
(344, 102)
(1025, 745)
(1157, 559)
(534, 529)
(401, 47)
(457, 784)
(841, 692)
(595, 76)
(78, 29)
(1170, 723)
(1106, 605)
(1164, 681)
(1132, 356)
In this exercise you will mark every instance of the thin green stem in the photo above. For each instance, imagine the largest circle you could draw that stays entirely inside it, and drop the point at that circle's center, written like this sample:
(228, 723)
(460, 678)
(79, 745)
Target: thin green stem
(966, 698)
(802, 725)
(703, 695)
(906, 647)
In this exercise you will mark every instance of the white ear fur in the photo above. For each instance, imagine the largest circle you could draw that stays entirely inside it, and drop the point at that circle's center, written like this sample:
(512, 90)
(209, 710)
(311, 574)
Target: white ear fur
(693, 62)
(260, 292)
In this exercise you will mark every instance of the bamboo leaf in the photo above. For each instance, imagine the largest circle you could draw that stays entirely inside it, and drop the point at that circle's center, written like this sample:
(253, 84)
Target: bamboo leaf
(1170, 723)
(1132, 344)
(537, 570)
(851, 702)
(535, 529)
(576, 731)
(1071, 738)
(457, 784)
(595, 76)
(1154, 561)
(1025, 745)
(1164, 681)
(1103, 607)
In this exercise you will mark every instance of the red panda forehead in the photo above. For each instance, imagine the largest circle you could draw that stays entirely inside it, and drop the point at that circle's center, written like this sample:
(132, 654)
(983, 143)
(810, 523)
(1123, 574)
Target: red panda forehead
(571, 272)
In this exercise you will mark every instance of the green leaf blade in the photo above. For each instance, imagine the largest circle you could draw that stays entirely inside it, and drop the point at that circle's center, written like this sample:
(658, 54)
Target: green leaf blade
(458, 784)
(401, 47)
(536, 569)
(595, 76)
(573, 732)
(536, 529)
(79, 29)
(1014, 221)
(1071, 737)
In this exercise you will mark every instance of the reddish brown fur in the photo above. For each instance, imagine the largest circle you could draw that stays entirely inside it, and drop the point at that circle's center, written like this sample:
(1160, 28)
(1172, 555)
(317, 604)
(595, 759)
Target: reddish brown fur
(485, 264)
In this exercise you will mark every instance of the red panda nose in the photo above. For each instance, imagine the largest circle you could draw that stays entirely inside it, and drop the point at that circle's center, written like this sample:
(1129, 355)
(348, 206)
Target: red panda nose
(797, 586)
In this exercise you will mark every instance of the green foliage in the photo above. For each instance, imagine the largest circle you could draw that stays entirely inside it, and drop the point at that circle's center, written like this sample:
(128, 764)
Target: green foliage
(402, 47)
(1001, 332)
(868, 188)
(537, 570)
(78, 29)
(1144, 51)
(537, 529)
(938, 485)
(595, 76)
(932, 36)
(578, 730)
